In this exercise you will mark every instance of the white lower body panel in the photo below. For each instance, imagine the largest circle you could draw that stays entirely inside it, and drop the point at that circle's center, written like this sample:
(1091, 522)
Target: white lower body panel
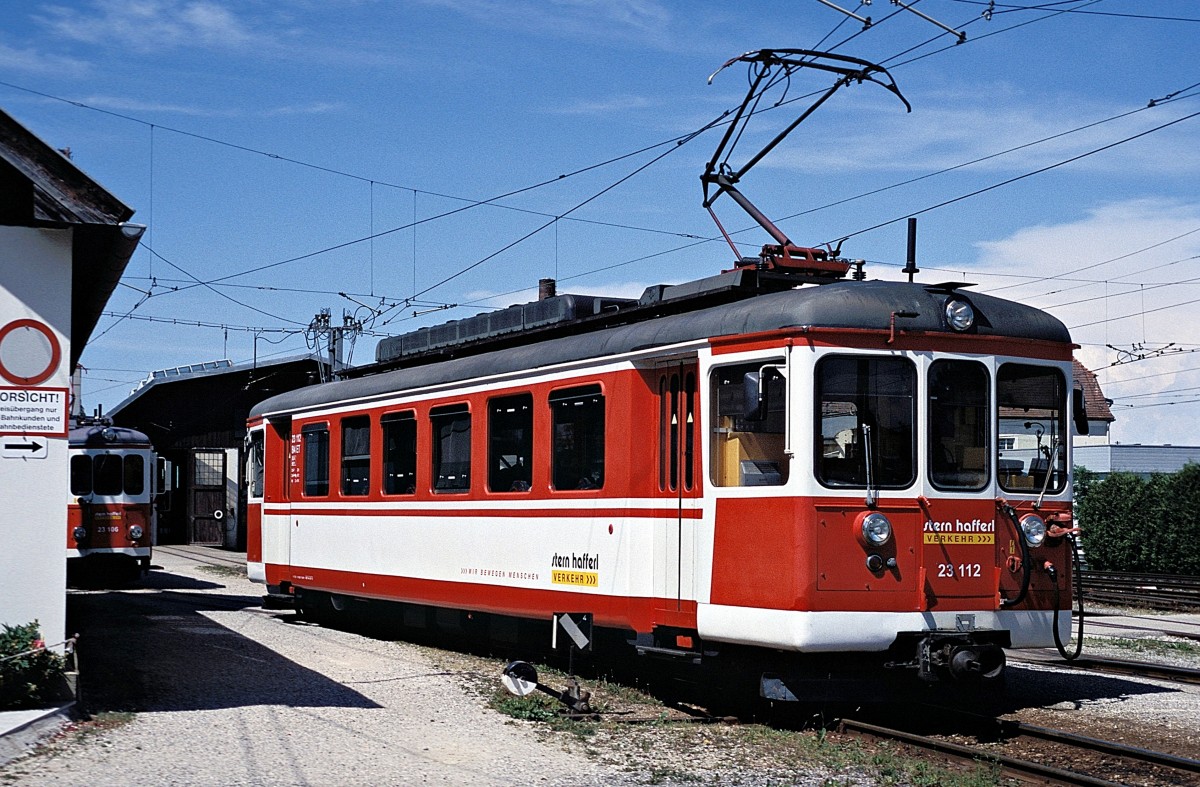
(830, 632)
(130, 551)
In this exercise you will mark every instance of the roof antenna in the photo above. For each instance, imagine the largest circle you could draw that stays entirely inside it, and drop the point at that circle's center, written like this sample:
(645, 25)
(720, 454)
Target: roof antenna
(910, 266)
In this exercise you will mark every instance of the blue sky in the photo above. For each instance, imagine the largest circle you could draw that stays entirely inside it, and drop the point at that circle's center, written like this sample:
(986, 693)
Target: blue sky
(310, 136)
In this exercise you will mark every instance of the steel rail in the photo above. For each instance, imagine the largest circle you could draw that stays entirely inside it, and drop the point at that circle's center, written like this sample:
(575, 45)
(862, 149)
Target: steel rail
(1107, 747)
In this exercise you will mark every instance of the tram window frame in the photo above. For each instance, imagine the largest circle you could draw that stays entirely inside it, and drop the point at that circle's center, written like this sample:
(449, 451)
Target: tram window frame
(81, 475)
(133, 480)
(108, 475)
(255, 459)
(314, 440)
(356, 456)
(959, 431)
(577, 424)
(399, 452)
(847, 468)
(510, 443)
(452, 469)
(1028, 409)
(749, 449)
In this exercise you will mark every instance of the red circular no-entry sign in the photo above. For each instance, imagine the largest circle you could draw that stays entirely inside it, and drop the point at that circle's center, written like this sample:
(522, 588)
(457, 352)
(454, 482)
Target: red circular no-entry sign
(29, 352)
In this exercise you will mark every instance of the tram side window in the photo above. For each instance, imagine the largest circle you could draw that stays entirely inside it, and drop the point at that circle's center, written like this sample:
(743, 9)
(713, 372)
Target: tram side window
(853, 392)
(1033, 420)
(135, 474)
(255, 460)
(356, 455)
(577, 416)
(451, 448)
(510, 443)
(81, 475)
(316, 460)
(959, 417)
(399, 453)
(108, 474)
(749, 424)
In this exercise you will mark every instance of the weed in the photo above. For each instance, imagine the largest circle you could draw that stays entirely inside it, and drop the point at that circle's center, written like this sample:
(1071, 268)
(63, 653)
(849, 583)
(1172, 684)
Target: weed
(225, 571)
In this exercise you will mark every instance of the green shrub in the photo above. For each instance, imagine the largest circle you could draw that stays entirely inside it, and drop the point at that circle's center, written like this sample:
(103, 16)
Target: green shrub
(31, 680)
(1146, 525)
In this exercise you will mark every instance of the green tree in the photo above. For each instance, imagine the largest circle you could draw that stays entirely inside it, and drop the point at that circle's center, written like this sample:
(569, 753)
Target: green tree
(1131, 524)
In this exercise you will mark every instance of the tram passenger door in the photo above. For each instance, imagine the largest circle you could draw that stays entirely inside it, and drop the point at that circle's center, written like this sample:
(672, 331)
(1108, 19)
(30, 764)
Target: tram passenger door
(678, 479)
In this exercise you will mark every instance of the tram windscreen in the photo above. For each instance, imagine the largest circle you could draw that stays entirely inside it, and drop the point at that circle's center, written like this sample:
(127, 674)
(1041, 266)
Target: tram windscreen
(959, 420)
(854, 392)
(1033, 428)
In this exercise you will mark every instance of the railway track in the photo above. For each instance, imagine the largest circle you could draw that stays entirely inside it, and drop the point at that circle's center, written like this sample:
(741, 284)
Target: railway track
(1152, 591)
(1138, 669)
(212, 556)
(1091, 762)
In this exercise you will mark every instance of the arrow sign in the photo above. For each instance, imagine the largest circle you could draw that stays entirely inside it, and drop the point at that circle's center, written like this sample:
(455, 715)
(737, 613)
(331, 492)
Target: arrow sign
(12, 448)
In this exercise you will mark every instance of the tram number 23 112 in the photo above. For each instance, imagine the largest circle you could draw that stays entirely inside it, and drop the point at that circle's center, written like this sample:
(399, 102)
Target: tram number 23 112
(964, 570)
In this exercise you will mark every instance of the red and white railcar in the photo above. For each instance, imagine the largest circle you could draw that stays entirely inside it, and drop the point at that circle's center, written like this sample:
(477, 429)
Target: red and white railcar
(110, 508)
(734, 465)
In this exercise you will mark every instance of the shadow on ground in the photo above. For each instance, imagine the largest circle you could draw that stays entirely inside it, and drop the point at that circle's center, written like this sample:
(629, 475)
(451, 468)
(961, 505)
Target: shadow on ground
(151, 649)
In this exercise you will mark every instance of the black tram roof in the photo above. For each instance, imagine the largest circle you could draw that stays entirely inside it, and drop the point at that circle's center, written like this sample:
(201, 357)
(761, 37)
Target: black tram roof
(846, 304)
(106, 436)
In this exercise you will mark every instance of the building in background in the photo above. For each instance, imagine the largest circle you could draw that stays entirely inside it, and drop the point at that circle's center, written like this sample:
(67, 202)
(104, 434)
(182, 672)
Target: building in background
(196, 418)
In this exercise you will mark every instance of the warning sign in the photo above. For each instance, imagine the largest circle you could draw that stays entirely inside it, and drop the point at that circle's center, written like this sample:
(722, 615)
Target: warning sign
(33, 411)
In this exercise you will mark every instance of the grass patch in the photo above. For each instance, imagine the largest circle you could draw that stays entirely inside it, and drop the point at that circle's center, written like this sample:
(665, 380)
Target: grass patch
(1162, 647)
(224, 571)
(103, 722)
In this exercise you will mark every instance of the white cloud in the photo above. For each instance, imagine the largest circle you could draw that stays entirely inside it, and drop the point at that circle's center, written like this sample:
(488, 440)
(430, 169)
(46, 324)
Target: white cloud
(149, 25)
(602, 107)
(1103, 275)
(34, 61)
(122, 104)
(641, 21)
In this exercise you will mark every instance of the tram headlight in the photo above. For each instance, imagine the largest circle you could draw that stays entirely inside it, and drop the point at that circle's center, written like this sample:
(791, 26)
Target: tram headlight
(80, 533)
(1034, 528)
(960, 315)
(874, 529)
(135, 532)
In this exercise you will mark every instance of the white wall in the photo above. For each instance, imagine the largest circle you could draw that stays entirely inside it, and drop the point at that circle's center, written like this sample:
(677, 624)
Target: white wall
(35, 284)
